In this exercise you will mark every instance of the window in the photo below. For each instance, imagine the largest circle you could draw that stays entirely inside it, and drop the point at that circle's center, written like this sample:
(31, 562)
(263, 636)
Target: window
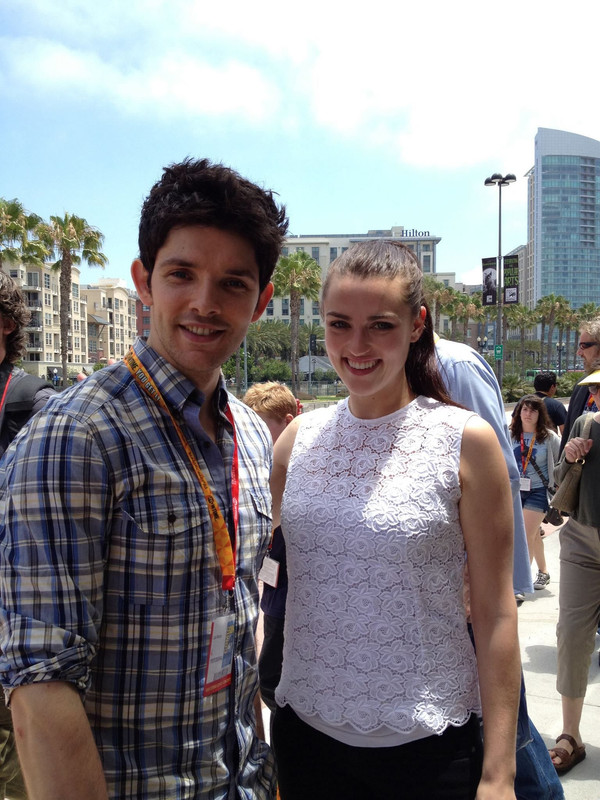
(332, 254)
(315, 253)
(284, 251)
(76, 325)
(285, 307)
(75, 307)
(47, 299)
(301, 306)
(33, 279)
(146, 320)
(75, 290)
(48, 340)
(427, 263)
(46, 281)
(47, 319)
(315, 308)
(270, 308)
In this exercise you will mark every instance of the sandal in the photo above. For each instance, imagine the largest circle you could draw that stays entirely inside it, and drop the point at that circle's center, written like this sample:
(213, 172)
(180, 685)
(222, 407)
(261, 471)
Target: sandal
(567, 760)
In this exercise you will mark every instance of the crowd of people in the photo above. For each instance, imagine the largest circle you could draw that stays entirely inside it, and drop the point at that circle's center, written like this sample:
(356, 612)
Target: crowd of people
(142, 509)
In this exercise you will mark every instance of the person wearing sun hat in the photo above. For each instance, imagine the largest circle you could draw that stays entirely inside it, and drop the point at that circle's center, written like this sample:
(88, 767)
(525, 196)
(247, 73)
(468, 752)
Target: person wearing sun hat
(588, 349)
(579, 593)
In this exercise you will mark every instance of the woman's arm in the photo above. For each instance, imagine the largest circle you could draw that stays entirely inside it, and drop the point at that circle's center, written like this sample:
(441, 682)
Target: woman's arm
(282, 451)
(487, 523)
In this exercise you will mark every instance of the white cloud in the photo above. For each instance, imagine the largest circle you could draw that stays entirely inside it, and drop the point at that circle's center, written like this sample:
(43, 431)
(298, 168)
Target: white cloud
(436, 84)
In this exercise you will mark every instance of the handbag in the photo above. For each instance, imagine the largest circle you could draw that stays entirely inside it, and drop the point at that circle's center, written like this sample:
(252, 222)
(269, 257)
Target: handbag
(553, 515)
(566, 498)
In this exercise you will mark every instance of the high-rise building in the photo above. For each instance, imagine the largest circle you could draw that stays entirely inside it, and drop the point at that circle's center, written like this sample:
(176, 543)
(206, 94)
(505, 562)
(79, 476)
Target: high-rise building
(564, 217)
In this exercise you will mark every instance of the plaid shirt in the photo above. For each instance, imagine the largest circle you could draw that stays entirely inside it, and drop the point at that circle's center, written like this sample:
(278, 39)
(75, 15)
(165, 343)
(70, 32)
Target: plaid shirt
(110, 580)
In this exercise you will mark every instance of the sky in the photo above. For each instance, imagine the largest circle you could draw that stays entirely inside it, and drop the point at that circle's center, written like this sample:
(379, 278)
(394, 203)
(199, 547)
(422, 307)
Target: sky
(360, 116)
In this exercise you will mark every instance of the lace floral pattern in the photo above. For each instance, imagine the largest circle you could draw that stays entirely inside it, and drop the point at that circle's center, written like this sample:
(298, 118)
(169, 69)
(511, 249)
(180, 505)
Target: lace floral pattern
(375, 631)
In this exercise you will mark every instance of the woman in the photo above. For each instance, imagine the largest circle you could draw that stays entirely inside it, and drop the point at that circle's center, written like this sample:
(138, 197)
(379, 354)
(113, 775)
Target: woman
(383, 495)
(579, 591)
(536, 452)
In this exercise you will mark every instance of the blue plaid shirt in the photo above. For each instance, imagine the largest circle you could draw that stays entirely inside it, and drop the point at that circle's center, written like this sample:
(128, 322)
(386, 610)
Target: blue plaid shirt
(110, 580)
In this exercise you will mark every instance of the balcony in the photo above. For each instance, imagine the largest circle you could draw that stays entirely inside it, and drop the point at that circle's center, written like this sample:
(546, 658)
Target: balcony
(35, 348)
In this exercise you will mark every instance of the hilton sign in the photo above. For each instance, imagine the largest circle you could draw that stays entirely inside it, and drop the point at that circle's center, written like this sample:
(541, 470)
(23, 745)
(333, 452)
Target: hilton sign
(413, 233)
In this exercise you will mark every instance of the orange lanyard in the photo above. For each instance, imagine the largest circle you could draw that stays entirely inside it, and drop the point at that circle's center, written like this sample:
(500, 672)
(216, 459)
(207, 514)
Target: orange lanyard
(525, 461)
(225, 552)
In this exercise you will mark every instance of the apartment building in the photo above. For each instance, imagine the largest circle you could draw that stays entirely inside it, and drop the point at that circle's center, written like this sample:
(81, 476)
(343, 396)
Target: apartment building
(324, 248)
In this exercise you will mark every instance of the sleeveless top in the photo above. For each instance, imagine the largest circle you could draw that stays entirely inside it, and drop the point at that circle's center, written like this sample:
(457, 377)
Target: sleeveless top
(375, 629)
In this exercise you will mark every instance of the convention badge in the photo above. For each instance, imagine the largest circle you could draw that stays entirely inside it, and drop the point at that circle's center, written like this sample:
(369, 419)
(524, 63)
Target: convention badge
(525, 484)
(220, 655)
(269, 572)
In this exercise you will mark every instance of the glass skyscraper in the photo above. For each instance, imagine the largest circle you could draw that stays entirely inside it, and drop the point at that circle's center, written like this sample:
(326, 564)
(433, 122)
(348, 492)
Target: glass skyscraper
(564, 217)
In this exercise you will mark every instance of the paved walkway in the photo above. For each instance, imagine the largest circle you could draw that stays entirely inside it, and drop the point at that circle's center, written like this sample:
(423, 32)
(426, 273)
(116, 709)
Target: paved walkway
(537, 626)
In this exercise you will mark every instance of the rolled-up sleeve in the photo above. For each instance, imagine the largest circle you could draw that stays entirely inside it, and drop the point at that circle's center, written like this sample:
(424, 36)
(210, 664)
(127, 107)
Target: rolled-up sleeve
(54, 513)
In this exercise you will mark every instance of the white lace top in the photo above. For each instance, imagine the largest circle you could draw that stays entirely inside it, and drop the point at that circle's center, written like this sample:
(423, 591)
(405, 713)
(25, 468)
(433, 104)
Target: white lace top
(375, 630)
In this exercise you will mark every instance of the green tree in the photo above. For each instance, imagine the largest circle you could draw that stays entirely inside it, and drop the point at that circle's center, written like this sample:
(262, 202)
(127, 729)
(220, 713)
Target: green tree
(522, 318)
(297, 276)
(19, 240)
(73, 241)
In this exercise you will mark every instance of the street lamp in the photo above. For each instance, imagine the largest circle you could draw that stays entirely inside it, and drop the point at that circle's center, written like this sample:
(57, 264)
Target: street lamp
(482, 344)
(499, 181)
(560, 346)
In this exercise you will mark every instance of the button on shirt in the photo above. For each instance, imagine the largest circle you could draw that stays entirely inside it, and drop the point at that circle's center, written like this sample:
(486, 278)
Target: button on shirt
(110, 580)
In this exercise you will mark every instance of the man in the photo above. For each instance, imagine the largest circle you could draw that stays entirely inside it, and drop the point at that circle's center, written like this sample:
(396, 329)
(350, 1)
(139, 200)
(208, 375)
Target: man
(589, 352)
(22, 395)
(471, 382)
(128, 563)
(544, 384)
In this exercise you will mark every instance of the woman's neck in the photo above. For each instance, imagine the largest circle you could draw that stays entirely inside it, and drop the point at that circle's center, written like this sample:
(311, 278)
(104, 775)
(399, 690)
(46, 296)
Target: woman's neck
(528, 429)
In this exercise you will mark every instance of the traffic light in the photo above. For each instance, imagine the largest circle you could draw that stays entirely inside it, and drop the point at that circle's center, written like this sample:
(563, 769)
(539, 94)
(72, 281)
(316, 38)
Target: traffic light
(312, 344)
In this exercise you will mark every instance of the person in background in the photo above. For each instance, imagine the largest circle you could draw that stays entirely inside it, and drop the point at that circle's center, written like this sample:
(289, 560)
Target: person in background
(544, 384)
(128, 564)
(579, 594)
(380, 496)
(536, 448)
(581, 400)
(277, 407)
(471, 382)
(21, 396)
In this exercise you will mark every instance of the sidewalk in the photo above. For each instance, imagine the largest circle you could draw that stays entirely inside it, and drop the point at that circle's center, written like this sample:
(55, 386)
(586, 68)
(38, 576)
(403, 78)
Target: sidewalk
(537, 632)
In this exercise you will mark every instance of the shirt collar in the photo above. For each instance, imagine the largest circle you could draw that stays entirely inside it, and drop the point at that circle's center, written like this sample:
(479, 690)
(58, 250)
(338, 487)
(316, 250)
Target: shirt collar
(176, 389)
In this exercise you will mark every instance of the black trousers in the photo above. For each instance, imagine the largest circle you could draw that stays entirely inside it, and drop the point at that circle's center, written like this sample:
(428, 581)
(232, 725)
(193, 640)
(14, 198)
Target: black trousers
(312, 765)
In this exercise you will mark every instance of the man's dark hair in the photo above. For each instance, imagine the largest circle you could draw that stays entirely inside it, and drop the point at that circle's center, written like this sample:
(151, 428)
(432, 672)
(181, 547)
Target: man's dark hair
(544, 381)
(12, 307)
(203, 193)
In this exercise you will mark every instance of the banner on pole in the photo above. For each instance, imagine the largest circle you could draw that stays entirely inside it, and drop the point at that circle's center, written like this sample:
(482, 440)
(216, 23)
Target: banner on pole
(511, 279)
(490, 282)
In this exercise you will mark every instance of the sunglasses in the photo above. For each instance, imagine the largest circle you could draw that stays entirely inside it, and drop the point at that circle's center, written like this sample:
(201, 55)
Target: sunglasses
(585, 345)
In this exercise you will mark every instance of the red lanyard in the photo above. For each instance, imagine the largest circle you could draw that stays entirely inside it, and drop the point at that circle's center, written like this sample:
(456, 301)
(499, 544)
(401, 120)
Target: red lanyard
(5, 391)
(225, 551)
(525, 461)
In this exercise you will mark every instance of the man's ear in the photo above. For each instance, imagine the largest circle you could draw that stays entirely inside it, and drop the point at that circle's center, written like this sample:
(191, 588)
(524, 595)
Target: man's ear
(141, 279)
(263, 300)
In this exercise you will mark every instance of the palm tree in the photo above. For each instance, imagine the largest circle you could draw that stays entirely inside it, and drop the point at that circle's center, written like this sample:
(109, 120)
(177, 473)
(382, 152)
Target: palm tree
(74, 241)
(297, 275)
(519, 316)
(18, 235)
(433, 291)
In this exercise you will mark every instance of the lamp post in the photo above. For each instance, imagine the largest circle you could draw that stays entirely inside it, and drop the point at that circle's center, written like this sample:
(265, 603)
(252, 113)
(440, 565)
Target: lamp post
(482, 344)
(560, 346)
(499, 181)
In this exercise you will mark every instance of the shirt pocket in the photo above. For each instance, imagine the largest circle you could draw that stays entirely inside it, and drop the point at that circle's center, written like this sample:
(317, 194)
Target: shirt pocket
(150, 556)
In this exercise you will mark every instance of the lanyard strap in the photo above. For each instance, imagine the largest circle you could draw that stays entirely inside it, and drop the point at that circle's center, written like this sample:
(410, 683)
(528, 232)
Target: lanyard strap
(525, 461)
(2, 401)
(225, 551)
